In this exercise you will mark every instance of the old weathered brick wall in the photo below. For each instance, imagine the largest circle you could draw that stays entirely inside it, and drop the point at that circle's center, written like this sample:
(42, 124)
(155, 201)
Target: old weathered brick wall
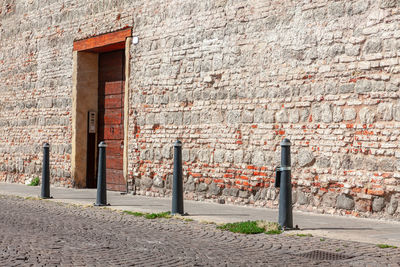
(36, 65)
(230, 79)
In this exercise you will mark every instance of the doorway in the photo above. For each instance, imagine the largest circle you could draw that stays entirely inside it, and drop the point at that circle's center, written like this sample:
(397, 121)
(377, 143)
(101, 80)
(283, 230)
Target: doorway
(100, 108)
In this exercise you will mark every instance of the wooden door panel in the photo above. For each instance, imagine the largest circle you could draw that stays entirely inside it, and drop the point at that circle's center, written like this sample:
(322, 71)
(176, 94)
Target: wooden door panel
(111, 119)
(113, 132)
(113, 176)
(115, 148)
(116, 187)
(112, 116)
(114, 162)
(113, 101)
(112, 88)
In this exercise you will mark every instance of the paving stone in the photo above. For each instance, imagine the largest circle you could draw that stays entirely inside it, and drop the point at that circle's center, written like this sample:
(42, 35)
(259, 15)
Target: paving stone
(39, 233)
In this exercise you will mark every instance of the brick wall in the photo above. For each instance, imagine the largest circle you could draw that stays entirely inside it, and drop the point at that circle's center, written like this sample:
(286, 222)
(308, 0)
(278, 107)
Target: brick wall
(230, 79)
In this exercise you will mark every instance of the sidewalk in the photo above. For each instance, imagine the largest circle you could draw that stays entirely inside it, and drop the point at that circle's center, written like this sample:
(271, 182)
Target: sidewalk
(345, 228)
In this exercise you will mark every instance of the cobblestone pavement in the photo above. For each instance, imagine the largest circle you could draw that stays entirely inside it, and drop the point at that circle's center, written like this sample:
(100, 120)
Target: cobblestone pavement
(38, 232)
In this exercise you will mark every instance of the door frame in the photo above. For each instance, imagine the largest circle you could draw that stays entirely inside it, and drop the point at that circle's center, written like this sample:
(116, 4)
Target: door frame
(85, 95)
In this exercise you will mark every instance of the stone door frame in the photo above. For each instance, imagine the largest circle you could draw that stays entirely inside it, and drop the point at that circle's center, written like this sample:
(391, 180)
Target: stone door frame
(85, 95)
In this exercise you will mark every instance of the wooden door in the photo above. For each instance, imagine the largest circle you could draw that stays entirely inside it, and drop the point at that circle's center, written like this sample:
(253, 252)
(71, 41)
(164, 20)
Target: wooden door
(111, 115)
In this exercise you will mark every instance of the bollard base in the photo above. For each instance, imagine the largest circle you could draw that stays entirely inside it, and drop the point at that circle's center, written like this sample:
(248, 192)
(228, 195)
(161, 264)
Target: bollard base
(46, 197)
(184, 214)
(291, 229)
(101, 205)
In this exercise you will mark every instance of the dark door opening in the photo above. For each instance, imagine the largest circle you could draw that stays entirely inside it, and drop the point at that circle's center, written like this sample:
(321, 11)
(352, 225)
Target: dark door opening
(111, 115)
(91, 180)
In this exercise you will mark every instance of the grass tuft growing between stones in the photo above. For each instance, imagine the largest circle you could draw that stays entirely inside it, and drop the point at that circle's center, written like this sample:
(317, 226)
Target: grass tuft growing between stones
(32, 198)
(134, 213)
(34, 182)
(271, 228)
(302, 235)
(158, 215)
(252, 227)
(180, 217)
(385, 246)
(148, 215)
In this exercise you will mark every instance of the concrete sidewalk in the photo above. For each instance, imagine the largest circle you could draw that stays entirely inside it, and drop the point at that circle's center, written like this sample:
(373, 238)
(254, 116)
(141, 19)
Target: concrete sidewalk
(345, 228)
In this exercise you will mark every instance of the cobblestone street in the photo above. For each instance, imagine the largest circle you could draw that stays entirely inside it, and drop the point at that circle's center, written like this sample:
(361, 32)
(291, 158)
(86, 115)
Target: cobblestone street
(37, 232)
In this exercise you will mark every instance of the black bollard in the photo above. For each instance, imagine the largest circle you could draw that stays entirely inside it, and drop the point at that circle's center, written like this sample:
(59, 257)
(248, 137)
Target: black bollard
(45, 192)
(101, 199)
(285, 193)
(177, 184)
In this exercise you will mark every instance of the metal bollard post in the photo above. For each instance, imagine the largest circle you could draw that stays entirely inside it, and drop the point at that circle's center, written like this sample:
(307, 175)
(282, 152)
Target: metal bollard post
(285, 194)
(101, 199)
(177, 184)
(45, 192)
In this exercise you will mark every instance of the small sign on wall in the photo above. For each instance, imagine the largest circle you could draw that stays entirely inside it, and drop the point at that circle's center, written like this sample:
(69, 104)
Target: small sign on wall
(92, 121)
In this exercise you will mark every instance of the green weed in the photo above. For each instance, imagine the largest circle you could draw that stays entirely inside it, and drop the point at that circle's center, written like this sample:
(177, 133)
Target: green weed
(252, 227)
(158, 215)
(301, 235)
(249, 227)
(385, 246)
(271, 228)
(134, 213)
(32, 198)
(148, 215)
(274, 232)
(34, 182)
